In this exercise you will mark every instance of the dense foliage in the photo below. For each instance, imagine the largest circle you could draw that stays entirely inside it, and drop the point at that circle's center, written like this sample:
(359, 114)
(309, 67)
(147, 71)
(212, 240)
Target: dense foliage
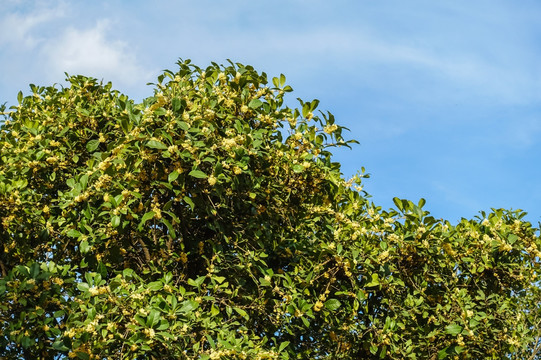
(209, 222)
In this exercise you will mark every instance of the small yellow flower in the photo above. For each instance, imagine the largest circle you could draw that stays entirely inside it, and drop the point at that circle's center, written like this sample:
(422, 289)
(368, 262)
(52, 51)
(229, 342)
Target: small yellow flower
(318, 306)
(93, 291)
(329, 129)
(149, 333)
(52, 159)
(201, 247)
(212, 180)
(103, 165)
(504, 247)
(183, 257)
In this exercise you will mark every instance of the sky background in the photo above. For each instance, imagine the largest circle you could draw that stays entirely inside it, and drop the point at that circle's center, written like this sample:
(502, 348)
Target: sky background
(444, 97)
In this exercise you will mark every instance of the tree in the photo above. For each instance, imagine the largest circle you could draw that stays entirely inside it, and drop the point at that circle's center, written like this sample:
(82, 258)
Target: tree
(209, 221)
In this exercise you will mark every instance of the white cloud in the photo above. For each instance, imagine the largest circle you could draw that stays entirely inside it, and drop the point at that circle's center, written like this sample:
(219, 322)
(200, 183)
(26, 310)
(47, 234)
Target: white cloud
(475, 72)
(20, 29)
(94, 52)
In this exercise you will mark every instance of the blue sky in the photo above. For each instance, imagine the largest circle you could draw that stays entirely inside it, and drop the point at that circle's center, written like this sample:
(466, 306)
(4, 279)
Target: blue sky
(444, 97)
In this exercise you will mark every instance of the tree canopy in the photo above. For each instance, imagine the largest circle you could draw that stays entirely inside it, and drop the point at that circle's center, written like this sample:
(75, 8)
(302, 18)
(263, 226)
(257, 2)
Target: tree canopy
(209, 221)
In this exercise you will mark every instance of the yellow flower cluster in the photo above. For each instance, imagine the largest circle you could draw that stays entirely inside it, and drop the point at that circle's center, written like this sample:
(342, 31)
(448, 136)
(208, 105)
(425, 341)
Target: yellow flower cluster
(96, 291)
(329, 129)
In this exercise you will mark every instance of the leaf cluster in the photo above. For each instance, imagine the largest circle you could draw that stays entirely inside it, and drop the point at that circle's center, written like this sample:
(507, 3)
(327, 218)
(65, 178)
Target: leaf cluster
(209, 221)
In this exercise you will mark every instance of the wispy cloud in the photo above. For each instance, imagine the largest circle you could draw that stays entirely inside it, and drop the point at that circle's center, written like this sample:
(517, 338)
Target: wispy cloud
(20, 28)
(473, 72)
(95, 52)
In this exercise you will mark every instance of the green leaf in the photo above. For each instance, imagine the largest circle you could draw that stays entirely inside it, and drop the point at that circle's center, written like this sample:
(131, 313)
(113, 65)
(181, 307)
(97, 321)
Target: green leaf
(92, 145)
(374, 282)
(184, 126)
(453, 329)
(84, 247)
(298, 168)
(241, 312)
(160, 111)
(197, 282)
(282, 79)
(512, 238)
(164, 325)
(283, 346)
(82, 355)
(176, 103)
(198, 174)
(153, 318)
(332, 304)
(173, 176)
(73, 233)
(255, 103)
(115, 221)
(398, 203)
(442, 354)
(83, 287)
(188, 305)
(140, 320)
(189, 201)
(149, 215)
(170, 228)
(155, 285)
(155, 144)
(84, 181)
(210, 341)
(218, 279)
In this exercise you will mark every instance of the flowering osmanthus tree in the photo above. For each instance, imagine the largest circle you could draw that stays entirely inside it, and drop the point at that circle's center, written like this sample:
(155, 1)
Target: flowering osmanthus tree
(210, 222)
